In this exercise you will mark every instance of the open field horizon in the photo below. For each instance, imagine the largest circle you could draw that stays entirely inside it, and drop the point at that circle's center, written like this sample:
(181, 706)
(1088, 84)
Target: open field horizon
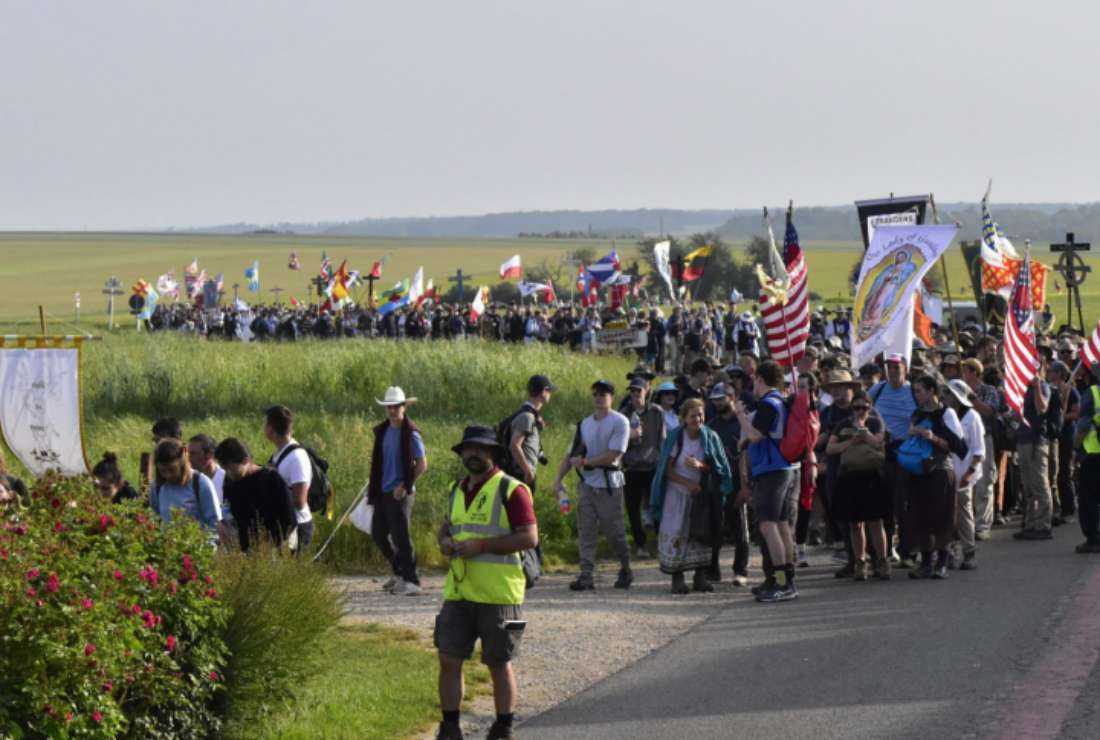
(47, 268)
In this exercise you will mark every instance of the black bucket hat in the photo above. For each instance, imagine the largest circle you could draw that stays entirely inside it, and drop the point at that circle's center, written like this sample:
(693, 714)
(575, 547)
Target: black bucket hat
(478, 435)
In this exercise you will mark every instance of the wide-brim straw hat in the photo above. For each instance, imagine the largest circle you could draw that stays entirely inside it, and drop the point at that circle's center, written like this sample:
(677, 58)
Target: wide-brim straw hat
(961, 391)
(840, 377)
(394, 396)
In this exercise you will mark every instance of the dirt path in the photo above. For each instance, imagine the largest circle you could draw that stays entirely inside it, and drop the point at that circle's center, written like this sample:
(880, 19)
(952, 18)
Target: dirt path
(572, 640)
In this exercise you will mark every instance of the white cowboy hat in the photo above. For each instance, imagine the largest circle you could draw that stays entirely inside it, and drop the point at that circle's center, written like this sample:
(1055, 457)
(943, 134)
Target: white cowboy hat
(395, 397)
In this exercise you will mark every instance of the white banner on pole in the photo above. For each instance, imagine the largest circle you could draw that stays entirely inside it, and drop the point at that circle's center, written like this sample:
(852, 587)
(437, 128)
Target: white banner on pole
(893, 266)
(664, 269)
(905, 218)
(40, 408)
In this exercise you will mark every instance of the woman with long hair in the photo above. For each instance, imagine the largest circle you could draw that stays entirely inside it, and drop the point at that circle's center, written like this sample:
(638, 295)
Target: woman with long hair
(690, 485)
(109, 481)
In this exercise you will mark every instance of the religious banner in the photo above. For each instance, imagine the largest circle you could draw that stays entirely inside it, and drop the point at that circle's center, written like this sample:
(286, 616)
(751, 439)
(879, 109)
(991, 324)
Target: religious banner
(902, 211)
(40, 408)
(893, 267)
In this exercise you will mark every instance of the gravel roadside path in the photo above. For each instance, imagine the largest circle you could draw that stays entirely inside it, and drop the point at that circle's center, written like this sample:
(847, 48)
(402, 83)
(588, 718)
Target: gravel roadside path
(572, 639)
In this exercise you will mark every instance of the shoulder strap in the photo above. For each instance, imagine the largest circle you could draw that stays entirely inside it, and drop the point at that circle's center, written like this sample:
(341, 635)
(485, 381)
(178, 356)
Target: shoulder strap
(289, 449)
(877, 391)
(195, 488)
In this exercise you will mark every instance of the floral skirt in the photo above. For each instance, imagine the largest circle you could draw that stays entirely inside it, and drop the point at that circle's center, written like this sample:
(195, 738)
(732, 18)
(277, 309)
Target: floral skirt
(676, 551)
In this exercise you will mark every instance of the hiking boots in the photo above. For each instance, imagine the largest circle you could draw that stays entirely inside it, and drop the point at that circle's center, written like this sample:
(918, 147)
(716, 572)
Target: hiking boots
(679, 585)
(924, 571)
(968, 562)
(626, 577)
(862, 571)
(939, 573)
(499, 732)
(449, 731)
(701, 583)
(1086, 548)
(983, 535)
(713, 573)
(583, 582)
(883, 571)
(388, 585)
(1033, 534)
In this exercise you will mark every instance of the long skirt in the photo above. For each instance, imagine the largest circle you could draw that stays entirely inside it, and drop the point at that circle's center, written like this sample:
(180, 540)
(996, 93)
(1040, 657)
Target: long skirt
(676, 551)
(861, 497)
(932, 509)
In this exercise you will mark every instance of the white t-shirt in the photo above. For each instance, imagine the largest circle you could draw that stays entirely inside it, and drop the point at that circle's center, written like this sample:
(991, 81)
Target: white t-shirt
(218, 479)
(973, 433)
(611, 433)
(294, 469)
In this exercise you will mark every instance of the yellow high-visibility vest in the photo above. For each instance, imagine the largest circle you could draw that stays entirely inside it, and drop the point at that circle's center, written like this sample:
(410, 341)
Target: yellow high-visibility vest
(485, 578)
(1092, 441)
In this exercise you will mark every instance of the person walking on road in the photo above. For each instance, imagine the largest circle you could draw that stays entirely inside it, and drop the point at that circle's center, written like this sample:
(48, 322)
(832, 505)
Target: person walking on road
(689, 490)
(523, 438)
(968, 469)
(1088, 487)
(490, 520)
(647, 434)
(597, 449)
(397, 460)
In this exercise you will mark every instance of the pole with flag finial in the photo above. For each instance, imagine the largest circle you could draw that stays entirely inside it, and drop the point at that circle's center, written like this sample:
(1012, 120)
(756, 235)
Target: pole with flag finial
(946, 284)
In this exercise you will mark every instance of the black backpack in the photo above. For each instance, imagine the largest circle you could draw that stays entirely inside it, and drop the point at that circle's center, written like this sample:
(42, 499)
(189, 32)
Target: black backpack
(504, 437)
(320, 488)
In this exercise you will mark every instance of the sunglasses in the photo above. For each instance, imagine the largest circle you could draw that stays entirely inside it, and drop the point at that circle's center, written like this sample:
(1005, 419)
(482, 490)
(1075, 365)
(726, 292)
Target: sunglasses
(861, 407)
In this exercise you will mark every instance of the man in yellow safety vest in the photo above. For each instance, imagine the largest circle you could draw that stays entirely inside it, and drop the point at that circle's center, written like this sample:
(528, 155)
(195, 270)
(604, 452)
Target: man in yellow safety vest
(1088, 487)
(490, 521)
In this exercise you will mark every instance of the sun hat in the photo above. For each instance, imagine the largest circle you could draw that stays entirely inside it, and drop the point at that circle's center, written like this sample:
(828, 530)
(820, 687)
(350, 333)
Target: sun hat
(895, 357)
(746, 316)
(961, 391)
(478, 434)
(840, 377)
(394, 396)
(666, 387)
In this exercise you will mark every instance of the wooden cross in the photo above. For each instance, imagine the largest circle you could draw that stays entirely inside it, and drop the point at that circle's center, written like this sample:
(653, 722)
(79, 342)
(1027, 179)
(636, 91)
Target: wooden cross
(320, 283)
(370, 278)
(112, 288)
(1073, 270)
(236, 293)
(457, 278)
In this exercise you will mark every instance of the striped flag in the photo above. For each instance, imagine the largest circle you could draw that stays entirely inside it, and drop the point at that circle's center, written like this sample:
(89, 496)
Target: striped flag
(785, 305)
(511, 268)
(326, 271)
(1021, 355)
(1090, 353)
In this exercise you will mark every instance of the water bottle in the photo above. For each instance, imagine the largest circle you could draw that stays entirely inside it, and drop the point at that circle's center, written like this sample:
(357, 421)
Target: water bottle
(563, 504)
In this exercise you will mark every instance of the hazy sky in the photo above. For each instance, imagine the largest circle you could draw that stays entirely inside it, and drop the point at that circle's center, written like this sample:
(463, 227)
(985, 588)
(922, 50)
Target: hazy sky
(151, 114)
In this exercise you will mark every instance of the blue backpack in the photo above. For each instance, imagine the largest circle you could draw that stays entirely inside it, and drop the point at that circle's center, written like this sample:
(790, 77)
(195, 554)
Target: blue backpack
(915, 450)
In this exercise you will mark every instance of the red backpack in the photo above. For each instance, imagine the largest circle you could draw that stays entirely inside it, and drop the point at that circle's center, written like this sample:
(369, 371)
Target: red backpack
(803, 426)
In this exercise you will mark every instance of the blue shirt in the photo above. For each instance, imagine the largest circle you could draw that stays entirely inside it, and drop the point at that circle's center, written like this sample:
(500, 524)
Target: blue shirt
(205, 510)
(895, 406)
(393, 472)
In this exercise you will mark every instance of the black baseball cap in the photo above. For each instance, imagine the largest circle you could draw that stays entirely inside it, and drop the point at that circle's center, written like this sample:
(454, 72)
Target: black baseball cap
(539, 383)
(604, 385)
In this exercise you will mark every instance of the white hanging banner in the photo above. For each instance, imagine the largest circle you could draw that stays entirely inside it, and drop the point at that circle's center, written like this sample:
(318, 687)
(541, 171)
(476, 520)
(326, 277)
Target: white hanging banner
(40, 408)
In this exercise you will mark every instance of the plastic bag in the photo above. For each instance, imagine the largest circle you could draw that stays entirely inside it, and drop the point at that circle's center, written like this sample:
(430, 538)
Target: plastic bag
(362, 515)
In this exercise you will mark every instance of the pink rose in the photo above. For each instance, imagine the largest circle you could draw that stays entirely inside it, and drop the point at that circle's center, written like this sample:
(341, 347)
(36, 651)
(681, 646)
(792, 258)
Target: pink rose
(118, 574)
(31, 592)
(170, 642)
(97, 716)
(150, 619)
(89, 648)
(53, 583)
(213, 675)
(107, 687)
(87, 603)
(33, 573)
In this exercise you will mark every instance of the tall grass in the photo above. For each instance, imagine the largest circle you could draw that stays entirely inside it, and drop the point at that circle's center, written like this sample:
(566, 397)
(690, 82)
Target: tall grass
(222, 388)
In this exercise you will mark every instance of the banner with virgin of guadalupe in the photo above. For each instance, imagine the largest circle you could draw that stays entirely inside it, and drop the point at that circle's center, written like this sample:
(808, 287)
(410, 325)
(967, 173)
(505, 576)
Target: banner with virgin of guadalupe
(40, 407)
(893, 266)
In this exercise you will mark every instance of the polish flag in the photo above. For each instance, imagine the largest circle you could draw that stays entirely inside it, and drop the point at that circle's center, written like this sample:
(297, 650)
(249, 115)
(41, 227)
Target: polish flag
(511, 268)
(477, 307)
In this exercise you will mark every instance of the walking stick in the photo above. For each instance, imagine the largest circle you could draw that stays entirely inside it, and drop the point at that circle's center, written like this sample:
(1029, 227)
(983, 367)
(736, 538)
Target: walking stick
(341, 520)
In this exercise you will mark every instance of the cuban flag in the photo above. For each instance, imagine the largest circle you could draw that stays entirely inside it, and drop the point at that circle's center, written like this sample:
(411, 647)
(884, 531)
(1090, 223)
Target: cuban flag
(604, 269)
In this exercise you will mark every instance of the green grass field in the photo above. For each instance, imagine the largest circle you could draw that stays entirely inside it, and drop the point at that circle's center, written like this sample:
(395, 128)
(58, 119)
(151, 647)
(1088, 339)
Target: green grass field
(48, 268)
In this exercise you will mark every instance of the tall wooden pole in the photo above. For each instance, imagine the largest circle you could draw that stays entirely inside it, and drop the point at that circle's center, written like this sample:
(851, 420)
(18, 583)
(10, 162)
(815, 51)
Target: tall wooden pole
(946, 284)
(42, 319)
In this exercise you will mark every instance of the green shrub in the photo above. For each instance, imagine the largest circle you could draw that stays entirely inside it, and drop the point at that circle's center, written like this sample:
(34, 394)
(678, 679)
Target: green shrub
(112, 625)
(283, 611)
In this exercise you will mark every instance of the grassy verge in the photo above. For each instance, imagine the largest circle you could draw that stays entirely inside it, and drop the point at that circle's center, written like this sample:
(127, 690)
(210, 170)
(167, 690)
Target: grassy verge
(380, 683)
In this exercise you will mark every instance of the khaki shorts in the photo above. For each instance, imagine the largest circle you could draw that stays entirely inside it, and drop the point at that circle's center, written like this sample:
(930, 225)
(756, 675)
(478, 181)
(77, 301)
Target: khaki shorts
(460, 624)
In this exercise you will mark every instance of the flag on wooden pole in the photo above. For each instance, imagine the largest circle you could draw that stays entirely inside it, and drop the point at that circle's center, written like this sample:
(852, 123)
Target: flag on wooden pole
(1021, 353)
(785, 303)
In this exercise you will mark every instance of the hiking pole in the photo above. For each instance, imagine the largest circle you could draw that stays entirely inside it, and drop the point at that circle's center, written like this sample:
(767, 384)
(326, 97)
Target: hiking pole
(340, 521)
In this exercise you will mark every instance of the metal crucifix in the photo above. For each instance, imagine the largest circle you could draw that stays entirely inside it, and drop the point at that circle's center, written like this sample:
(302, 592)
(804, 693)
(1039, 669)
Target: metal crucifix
(1073, 270)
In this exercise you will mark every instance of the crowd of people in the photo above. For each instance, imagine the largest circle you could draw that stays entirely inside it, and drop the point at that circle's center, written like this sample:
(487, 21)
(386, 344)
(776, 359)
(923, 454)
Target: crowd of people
(903, 463)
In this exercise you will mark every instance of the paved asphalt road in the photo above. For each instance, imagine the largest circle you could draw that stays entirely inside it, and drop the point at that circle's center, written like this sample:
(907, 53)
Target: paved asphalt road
(1009, 650)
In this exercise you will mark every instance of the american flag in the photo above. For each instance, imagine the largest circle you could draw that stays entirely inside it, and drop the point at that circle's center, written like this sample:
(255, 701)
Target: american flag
(1021, 355)
(1090, 353)
(787, 326)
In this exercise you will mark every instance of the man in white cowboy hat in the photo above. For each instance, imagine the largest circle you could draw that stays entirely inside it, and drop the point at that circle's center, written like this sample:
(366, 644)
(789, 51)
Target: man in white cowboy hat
(747, 335)
(968, 469)
(397, 460)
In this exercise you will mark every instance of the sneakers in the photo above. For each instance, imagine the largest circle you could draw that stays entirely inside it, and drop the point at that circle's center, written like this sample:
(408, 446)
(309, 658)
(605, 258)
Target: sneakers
(999, 520)
(847, 571)
(983, 535)
(740, 580)
(924, 571)
(1033, 534)
(883, 571)
(767, 585)
(777, 593)
(968, 562)
(800, 558)
(862, 571)
(641, 553)
(583, 582)
(449, 731)
(388, 585)
(1086, 548)
(625, 579)
(939, 573)
(894, 557)
(406, 588)
(907, 563)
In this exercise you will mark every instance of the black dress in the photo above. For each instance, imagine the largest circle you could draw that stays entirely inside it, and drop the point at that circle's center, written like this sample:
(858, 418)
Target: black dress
(860, 496)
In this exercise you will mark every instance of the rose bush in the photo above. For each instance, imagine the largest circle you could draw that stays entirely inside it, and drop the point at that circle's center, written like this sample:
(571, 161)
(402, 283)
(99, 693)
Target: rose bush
(110, 625)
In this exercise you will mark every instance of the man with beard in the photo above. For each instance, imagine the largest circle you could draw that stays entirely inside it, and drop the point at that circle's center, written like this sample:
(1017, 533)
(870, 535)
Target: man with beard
(727, 426)
(491, 520)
